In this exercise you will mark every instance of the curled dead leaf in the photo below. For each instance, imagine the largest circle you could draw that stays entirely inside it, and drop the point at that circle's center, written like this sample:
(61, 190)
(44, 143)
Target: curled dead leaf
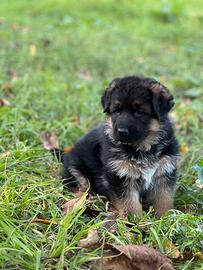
(70, 204)
(92, 239)
(4, 102)
(132, 257)
(85, 75)
(184, 149)
(5, 154)
(76, 120)
(49, 140)
(68, 149)
(199, 255)
(190, 112)
(172, 250)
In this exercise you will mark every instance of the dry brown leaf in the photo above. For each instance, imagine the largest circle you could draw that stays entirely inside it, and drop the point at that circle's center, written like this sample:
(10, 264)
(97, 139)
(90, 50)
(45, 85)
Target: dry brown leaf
(184, 149)
(15, 26)
(49, 140)
(190, 112)
(70, 204)
(171, 248)
(12, 73)
(199, 255)
(5, 154)
(85, 75)
(68, 149)
(92, 239)
(76, 120)
(4, 102)
(44, 221)
(132, 257)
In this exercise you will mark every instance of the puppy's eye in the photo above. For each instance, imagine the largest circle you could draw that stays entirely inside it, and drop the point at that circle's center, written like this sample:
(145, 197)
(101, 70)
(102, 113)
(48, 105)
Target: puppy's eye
(117, 111)
(139, 112)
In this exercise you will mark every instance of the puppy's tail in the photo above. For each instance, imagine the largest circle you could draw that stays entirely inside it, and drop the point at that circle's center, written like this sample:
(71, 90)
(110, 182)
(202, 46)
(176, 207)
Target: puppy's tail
(50, 142)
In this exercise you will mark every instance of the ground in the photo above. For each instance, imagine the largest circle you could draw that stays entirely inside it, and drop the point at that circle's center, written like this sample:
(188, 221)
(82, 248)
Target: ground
(56, 58)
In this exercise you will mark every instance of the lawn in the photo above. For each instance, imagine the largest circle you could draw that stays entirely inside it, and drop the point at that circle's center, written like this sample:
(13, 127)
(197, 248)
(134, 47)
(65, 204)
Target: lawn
(56, 58)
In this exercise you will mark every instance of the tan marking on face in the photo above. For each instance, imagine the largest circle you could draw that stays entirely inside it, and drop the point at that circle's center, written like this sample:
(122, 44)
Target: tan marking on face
(153, 136)
(141, 104)
(109, 121)
(113, 86)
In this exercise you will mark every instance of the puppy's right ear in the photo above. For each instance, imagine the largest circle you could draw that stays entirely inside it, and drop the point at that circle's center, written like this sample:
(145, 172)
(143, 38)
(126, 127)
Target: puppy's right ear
(106, 97)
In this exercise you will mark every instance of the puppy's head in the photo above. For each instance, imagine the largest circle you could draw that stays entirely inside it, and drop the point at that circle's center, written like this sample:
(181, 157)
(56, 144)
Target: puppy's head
(135, 108)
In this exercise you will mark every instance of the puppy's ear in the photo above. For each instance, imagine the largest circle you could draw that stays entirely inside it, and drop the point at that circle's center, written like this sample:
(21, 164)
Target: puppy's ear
(106, 97)
(162, 99)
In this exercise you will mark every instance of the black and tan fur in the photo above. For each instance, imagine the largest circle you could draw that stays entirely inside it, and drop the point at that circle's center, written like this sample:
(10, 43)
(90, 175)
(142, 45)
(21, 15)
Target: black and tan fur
(131, 157)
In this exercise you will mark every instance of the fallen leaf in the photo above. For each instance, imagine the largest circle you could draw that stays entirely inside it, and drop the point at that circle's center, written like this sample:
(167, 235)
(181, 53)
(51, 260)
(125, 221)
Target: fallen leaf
(4, 102)
(132, 257)
(85, 75)
(92, 239)
(49, 140)
(15, 26)
(68, 149)
(33, 49)
(184, 149)
(189, 113)
(44, 221)
(70, 204)
(199, 255)
(7, 86)
(76, 120)
(5, 155)
(172, 250)
(14, 77)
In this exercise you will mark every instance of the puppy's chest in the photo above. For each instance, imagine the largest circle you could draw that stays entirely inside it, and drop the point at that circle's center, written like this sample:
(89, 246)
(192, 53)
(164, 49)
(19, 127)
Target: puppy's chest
(139, 172)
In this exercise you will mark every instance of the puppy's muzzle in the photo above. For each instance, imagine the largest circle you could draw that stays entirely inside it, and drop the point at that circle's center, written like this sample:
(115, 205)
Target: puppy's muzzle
(123, 132)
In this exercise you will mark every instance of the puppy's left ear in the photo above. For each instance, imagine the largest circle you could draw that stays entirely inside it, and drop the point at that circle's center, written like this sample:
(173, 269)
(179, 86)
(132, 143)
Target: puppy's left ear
(162, 99)
(106, 97)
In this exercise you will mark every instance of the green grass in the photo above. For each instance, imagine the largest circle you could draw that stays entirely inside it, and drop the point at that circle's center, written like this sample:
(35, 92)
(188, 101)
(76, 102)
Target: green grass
(44, 47)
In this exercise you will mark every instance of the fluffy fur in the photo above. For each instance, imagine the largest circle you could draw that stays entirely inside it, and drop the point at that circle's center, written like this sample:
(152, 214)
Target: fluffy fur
(131, 157)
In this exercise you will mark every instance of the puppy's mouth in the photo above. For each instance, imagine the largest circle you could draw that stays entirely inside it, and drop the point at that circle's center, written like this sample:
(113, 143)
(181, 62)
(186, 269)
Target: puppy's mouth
(129, 140)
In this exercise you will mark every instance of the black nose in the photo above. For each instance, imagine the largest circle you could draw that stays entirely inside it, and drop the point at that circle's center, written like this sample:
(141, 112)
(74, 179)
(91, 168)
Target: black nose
(123, 132)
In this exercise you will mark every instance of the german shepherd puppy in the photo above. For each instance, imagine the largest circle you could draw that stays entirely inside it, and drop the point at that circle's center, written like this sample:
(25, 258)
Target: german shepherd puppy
(131, 157)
